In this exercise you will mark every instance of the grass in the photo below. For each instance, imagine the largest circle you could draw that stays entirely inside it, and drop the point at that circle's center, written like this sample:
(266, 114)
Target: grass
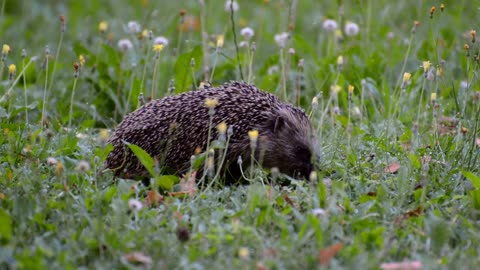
(400, 177)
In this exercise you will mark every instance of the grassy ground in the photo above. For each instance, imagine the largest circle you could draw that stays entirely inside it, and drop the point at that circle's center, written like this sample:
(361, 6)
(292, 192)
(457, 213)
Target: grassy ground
(399, 179)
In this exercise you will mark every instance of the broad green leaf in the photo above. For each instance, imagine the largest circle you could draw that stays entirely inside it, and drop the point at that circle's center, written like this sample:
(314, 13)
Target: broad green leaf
(473, 178)
(144, 157)
(166, 182)
(5, 225)
(183, 68)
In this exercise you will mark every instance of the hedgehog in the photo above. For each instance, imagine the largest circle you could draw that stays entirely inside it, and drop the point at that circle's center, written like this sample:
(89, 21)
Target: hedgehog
(173, 128)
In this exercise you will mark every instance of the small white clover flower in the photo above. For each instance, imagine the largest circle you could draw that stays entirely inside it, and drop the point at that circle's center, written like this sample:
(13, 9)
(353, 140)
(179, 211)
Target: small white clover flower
(231, 5)
(351, 29)
(330, 25)
(134, 27)
(281, 39)
(125, 44)
(52, 161)
(135, 205)
(161, 40)
(247, 33)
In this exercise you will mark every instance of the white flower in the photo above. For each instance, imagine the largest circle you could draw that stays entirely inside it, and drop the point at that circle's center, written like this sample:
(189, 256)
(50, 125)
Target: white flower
(247, 33)
(134, 27)
(463, 84)
(329, 25)
(319, 212)
(161, 40)
(231, 5)
(83, 166)
(281, 39)
(125, 44)
(291, 51)
(51, 161)
(135, 205)
(351, 29)
(390, 35)
(242, 44)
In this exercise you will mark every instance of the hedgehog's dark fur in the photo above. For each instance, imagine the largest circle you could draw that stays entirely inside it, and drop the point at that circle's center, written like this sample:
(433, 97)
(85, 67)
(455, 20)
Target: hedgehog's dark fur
(170, 129)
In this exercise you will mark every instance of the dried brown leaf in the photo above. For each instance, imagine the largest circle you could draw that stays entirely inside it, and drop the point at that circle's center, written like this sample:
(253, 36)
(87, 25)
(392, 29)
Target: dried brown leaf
(326, 254)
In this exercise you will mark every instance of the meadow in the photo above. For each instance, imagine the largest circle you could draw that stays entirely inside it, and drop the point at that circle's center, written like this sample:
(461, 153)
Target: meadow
(391, 88)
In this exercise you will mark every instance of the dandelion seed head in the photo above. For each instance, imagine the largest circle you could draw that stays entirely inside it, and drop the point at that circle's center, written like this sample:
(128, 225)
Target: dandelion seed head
(330, 25)
(83, 166)
(351, 29)
(135, 205)
(247, 33)
(231, 5)
(125, 44)
(134, 27)
(281, 39)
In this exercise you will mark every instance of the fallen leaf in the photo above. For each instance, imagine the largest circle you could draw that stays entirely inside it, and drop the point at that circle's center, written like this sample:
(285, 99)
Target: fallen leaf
(153, 198)
(326, 254)
(414, 213)
(137, 258)
(413, 265)
(288, 200)
(392, 168)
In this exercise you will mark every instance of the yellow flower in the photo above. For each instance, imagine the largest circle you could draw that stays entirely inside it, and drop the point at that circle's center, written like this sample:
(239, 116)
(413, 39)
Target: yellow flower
(81, 60)
(442, 7)
(243, 253)
(5, 49)
(103, 26)
(12, 69)
(220, 40)
(439, 71)
(426, 65)
(406, 77)
(158, 48)
(211, 102)
(253, 135)
(340, 60)
(104, 134)
(433, 96)
(222, 128)
(350, 89)
(335, 89)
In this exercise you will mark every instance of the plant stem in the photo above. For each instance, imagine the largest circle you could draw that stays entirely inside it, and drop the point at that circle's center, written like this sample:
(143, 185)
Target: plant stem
(71, 103)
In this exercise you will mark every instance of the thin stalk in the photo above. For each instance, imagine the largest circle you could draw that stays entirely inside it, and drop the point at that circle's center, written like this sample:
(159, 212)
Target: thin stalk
(214, 64)
(155, 71)
(8, 93)
(284, 75)
(45, 89)
(57, 55)
(71, 102)
(25, 91)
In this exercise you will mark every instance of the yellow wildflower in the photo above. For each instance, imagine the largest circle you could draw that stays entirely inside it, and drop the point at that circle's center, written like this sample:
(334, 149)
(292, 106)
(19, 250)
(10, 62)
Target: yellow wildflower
(220, 40)
(158, 48)
(81, 60)
(12, 69)
(211, 102)
(350, 89)
(426, 66)
(406, 77)
(5, 49)
(253, 135)
(433, 97)
(222, 128)
(103, 26)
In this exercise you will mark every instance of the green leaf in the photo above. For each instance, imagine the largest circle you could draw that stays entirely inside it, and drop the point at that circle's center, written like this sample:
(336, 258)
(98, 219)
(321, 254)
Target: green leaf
(183, 68)
(475, 196)
(166, 182)
(144, 157)
(5, 225)
(473, 178)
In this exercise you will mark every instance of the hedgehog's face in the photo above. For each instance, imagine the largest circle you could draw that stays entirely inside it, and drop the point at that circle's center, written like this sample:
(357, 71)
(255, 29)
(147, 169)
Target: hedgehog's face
(291, 145)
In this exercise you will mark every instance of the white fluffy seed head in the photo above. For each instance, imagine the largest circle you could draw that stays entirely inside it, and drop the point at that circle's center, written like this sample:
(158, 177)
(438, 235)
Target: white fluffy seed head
(247, 33)
(330, 25)
(351, 29)
(125, 44)
(134, 27)
(281, 39)
(231, 5)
